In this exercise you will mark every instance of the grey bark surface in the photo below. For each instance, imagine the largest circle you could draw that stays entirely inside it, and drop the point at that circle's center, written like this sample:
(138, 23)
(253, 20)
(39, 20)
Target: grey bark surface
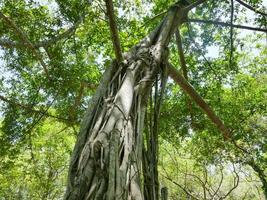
(107, 159)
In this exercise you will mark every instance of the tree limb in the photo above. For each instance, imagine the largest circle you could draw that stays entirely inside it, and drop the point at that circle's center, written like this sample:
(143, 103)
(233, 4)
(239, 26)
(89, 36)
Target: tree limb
(187, 88)
(180, 186)
(38, 120)
(181, 53)
(154, 17)
(202, 183)
(219, 185)
(78, 99)
(251, 8)
(25, 40)
(184, 69)
(114, 30)
(236, 182)
(227, 25)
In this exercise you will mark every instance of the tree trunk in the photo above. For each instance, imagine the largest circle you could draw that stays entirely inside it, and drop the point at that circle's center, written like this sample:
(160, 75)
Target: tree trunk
(107, 158)
(164, 193)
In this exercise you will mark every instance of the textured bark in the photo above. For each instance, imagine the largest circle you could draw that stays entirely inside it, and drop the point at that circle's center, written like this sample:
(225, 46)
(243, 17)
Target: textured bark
(150, 149)
(107, 158)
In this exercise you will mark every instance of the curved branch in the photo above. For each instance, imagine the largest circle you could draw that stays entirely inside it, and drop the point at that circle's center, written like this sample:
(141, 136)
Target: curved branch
(227, 25)
(78, 99)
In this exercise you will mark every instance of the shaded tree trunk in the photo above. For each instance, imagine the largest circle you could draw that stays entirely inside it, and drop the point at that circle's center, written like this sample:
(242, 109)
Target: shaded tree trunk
(107, 158)
(164, 193)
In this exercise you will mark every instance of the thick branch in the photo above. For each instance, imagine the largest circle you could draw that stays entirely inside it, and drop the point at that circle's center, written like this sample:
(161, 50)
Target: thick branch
(25, 40)
(187, 88)
(114, 30)
(228, 25)
(78, 99)
(251, 8)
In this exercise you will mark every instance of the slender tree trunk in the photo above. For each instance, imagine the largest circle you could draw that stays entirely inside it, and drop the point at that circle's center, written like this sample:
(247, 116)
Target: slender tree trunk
(107, 158)
(164, 193)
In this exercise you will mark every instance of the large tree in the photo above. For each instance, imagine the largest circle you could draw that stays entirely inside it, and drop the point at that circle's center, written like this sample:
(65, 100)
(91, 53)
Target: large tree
(116, 153)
